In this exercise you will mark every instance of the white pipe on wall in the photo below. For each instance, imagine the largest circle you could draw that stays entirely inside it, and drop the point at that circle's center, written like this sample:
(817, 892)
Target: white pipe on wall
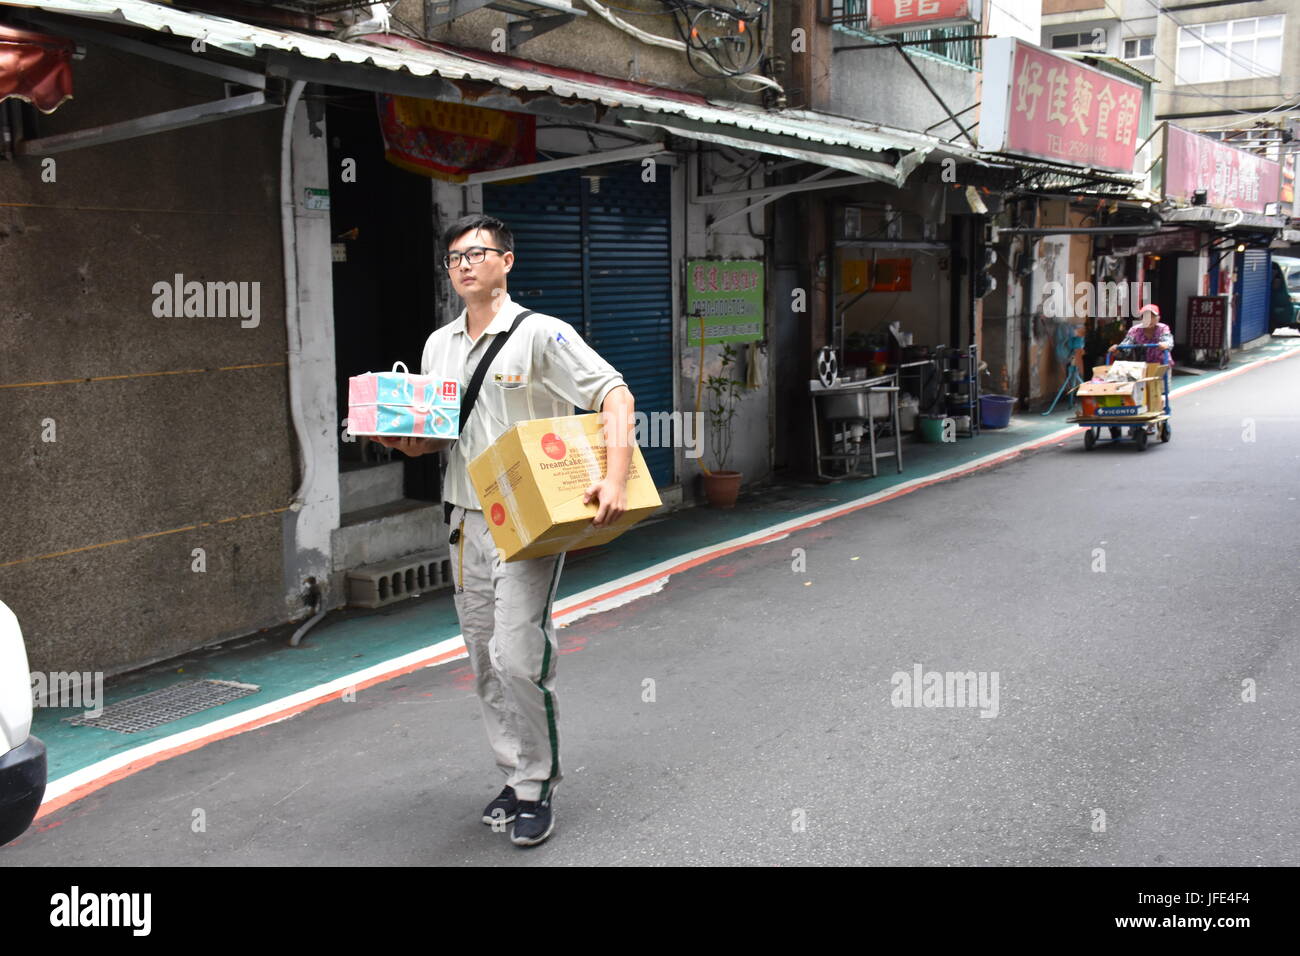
(288, 233)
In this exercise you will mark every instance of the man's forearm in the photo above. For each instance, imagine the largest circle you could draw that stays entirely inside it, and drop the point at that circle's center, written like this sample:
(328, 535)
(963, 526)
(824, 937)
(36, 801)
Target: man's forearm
(616, 414)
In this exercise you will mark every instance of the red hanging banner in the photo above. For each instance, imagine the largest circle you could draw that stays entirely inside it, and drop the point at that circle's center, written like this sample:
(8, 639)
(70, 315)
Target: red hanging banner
(450, 140)
(35, 68)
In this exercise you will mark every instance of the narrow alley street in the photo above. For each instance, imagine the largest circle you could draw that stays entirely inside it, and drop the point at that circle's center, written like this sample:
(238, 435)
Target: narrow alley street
(1118, 606)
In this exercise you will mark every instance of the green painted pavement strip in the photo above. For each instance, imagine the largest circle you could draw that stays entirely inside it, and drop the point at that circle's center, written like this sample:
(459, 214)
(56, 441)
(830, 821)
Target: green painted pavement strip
(347, 641)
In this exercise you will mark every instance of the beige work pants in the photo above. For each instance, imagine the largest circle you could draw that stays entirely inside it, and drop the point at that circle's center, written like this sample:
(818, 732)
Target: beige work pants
(505, 619)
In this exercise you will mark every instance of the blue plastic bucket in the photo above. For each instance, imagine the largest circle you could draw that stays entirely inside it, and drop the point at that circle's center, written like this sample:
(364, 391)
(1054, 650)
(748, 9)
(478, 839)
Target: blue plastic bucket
(995, 410)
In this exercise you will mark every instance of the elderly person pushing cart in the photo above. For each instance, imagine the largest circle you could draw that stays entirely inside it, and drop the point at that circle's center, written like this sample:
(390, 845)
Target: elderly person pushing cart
(1149, 330)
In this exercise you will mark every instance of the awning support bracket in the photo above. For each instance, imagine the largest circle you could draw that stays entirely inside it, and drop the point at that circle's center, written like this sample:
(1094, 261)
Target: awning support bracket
(229, 107)
(773, 193)
(534, 20)
(521, 31)
(933, 92)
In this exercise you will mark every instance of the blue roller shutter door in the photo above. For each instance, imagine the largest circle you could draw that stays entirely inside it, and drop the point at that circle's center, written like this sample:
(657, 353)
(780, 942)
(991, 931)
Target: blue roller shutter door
(601, 262)
(629, 293)
(1252, 318)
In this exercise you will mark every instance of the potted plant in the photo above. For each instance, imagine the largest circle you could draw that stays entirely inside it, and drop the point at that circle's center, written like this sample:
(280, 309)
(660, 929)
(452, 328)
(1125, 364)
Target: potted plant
(721, 486)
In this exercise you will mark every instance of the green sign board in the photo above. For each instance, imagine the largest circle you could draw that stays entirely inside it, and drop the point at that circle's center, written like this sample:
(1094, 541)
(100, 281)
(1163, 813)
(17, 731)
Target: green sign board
(728, 294)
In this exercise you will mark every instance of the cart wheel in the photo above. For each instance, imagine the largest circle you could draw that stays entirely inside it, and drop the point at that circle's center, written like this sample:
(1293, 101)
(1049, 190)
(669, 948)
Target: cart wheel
(1140, 437)
(1165, 431)
(1089, 439)
(1115, 433)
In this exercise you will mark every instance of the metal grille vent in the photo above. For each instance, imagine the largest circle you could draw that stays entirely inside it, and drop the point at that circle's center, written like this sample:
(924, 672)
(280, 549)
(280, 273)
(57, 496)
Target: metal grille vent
(163, 706)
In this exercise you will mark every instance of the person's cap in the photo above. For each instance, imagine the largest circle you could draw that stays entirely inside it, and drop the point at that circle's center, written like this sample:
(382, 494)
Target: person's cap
(1150, 307)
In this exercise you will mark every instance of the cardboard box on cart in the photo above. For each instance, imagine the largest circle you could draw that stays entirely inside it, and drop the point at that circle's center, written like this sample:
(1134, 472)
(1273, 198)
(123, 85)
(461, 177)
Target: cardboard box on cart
(530, 485)
(1147, 393)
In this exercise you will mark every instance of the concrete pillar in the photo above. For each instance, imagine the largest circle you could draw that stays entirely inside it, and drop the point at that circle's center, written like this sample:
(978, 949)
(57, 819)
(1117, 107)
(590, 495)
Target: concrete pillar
(307, 550)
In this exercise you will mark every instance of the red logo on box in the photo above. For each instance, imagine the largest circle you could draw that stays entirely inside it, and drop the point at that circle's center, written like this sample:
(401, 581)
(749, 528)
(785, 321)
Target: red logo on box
(553, 445)
(448, 389)
(498, 514)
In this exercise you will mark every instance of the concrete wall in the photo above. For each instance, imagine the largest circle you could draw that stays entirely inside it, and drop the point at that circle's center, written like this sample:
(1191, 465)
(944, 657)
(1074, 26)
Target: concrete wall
(1070, 6)
(877, 86)
(168, 434)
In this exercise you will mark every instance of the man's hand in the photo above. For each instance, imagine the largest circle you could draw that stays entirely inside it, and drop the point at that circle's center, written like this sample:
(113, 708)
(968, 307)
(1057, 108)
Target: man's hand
(610, 492)
(412, 447)
(611, 496)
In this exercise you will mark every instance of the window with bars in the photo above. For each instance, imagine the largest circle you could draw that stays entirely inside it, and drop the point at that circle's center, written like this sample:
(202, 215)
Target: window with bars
(949, 44)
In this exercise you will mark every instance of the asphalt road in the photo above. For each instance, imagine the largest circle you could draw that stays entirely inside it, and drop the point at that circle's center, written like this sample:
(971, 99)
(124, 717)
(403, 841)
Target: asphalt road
(772, 738)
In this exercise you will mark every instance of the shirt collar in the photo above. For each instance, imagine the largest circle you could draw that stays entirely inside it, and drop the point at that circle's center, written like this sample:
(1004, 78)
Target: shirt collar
(500, 322)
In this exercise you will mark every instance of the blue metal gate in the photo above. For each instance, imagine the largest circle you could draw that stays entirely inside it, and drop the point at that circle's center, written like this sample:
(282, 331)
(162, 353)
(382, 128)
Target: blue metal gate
(1253, 288)
(601, 261)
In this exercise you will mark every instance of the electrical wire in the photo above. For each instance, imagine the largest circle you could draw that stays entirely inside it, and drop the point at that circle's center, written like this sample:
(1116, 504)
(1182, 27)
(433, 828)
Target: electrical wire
(1227, 51)
(716, 69)
(693, 11)
(1173, 70)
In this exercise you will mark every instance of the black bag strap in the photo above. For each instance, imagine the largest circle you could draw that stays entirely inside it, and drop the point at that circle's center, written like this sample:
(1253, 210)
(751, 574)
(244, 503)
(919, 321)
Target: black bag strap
(476, 384)
(476, 381)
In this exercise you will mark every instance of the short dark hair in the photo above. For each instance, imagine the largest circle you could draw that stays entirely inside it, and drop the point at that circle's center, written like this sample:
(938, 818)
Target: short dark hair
(504, 239)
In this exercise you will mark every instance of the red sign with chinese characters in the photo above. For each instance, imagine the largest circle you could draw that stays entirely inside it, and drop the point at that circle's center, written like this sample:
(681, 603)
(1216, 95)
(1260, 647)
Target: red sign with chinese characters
(1059, 110)
(1206, 315)
(891, 16)
(1232, 178)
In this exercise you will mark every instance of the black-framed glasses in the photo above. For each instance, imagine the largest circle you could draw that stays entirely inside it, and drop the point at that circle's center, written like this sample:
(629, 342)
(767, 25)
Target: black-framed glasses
(475, 255)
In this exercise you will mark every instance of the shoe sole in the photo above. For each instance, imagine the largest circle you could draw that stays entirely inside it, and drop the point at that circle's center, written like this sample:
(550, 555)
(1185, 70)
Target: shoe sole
(536, 840)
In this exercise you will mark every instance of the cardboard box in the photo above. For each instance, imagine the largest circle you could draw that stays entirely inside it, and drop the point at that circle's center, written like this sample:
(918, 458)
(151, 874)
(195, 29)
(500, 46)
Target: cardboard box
(1151, 396)
(1112, 399)
(530, 485)
(401, 404)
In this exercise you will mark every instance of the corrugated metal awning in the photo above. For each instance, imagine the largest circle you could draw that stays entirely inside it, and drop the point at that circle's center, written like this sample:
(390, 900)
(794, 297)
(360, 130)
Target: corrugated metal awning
(822, 138)
(1226, 219)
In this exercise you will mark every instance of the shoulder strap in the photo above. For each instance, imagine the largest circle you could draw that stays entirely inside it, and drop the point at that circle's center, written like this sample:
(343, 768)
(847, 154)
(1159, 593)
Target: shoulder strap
(476, 382)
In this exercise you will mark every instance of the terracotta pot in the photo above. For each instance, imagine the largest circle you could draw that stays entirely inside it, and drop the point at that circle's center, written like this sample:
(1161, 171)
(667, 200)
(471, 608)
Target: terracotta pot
(721, 488)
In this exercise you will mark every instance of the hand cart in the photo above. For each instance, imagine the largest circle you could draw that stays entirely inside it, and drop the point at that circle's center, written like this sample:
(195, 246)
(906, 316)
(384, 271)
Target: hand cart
(1119, 419)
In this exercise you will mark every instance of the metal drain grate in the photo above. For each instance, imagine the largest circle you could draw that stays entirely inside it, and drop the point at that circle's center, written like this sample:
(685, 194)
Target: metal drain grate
(163, 706)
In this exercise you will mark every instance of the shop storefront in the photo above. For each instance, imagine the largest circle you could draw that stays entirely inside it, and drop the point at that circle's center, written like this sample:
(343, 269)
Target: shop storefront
(1227, 195)
(1062, 234)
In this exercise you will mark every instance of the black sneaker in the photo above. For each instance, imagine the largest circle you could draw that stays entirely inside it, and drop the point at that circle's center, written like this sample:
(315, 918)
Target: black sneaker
(533, 823)
(501, 810)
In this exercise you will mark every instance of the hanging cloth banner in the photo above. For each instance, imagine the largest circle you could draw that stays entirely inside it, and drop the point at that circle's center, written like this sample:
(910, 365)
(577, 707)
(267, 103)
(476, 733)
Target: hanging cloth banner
(35, 68)
(450, 140)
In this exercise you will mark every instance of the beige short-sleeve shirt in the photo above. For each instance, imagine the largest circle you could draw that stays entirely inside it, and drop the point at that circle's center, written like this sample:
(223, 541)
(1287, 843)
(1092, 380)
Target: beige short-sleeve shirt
(544, 370)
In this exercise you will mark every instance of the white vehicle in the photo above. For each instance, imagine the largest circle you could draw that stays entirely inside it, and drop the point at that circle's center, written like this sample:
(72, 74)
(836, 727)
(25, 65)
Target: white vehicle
(22, 756)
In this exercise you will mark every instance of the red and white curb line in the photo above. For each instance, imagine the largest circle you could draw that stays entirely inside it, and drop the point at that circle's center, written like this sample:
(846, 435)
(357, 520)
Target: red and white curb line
(81, 783)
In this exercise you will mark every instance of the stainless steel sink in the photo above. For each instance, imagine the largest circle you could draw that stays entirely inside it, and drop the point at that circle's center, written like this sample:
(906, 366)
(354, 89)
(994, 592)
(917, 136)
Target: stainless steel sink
(853, 399)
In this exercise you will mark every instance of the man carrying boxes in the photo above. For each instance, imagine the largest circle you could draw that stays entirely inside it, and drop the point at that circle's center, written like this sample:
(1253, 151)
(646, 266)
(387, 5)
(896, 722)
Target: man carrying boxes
(539, 367)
